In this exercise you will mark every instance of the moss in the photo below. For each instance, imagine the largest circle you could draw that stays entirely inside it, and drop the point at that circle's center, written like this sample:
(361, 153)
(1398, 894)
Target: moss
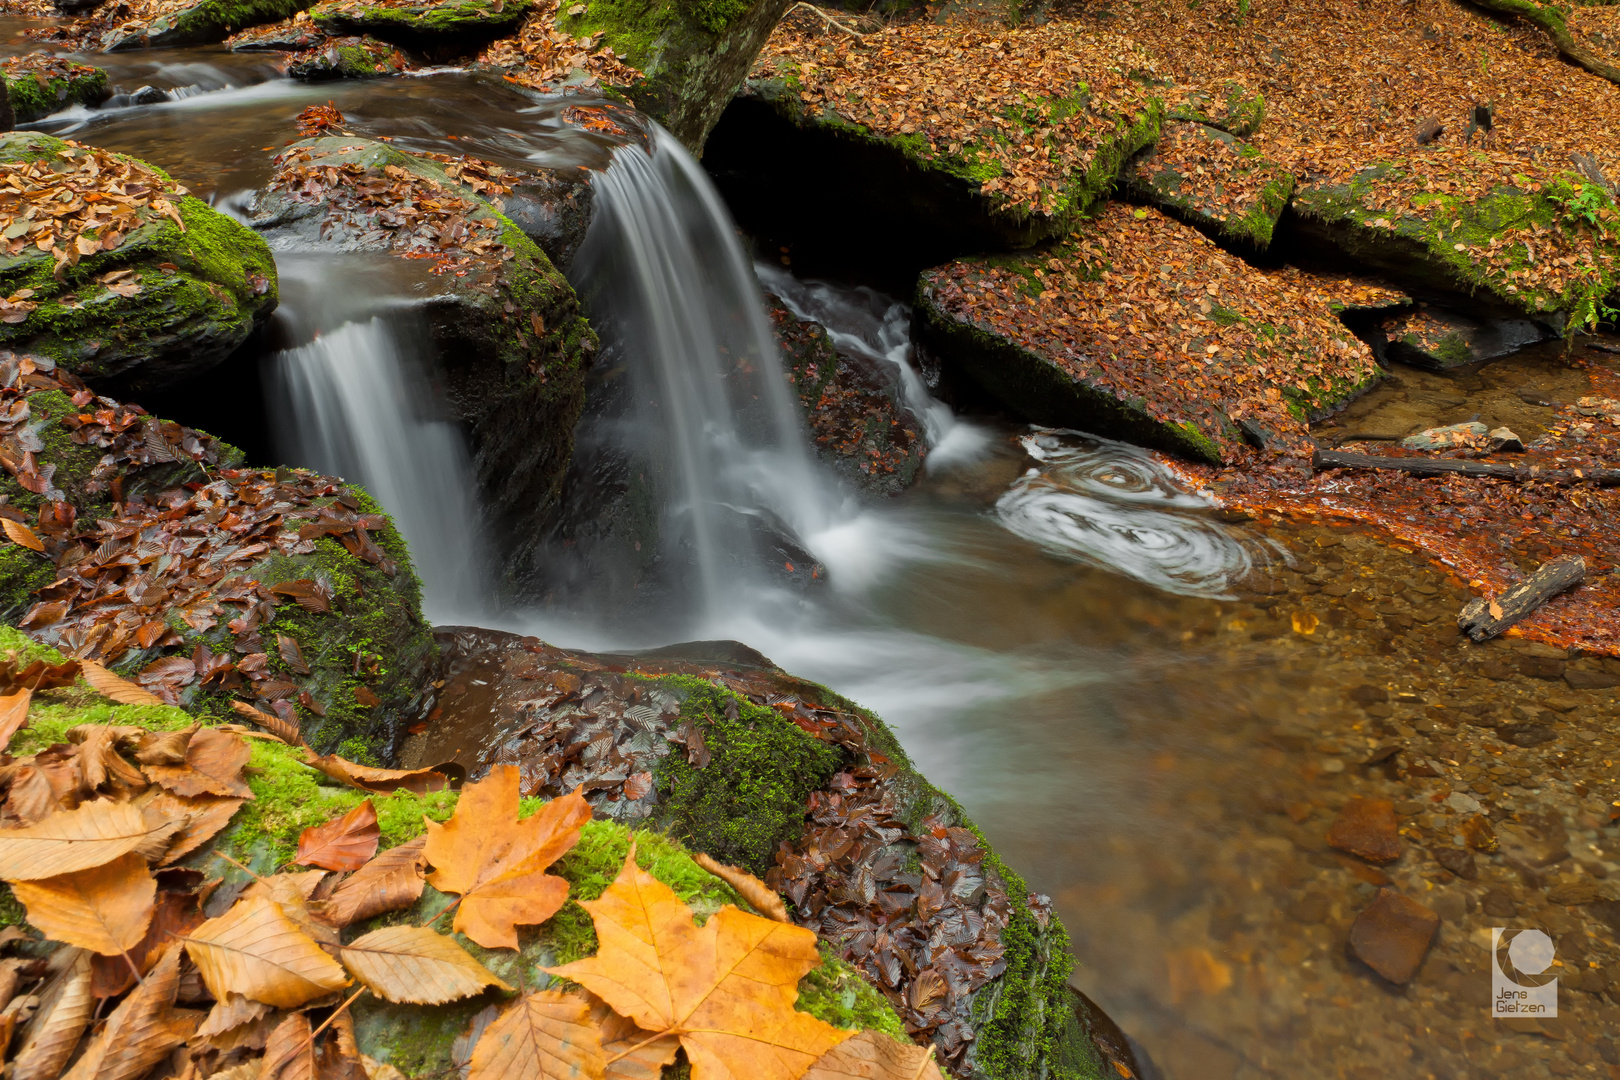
(425, 20)
(839, 994)
(32, 101)
(215, 20)
(751, 795)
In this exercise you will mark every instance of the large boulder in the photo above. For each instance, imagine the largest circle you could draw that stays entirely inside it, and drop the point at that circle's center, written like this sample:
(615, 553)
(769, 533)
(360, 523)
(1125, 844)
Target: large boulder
(39, 84)
(129, 282)
(714, 746)
(512, 343)
(1431, 337)
(1141, 328)
(428, 23)
(347, 58)
(200, 23)
(157, 553)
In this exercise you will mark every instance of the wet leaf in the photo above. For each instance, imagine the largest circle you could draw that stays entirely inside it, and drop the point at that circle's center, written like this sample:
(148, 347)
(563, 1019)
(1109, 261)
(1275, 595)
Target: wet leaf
(284, 730)
(255, 950)
(391, 881)
(105, 909)
(118, 689)
(416, 965)
(344, 843)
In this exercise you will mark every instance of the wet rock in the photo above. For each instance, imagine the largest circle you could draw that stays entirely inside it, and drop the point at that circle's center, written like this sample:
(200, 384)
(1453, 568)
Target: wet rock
(1477, 833)
(1526, 735)
(1310, 908)
(1432, 338)
(162, 304)
(1392, 935)
(1462, 802)
(200, 23)
(553, 208)
(1472, 435)
(1214, 180)
(1367, 827)
(1590, 679)
(293, 35)
(1504, 440)
(348, 58)
(1459, 861)
(1367, 694)
(38, 85)
(146, 95)
(1585, 891)
(1498, 903)
(458, 22)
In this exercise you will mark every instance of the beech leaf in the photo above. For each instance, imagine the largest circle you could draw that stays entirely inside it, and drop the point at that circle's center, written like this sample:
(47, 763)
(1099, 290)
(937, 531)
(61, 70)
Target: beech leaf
(255, 950)
(142, 1030)
(392, 881)
(64, 1013)
(201, 817)
(285, 730)
(760, 896)
(112, 686)
(378, 781)
(13, 712)
(93, 834)
(416, 965)
(105, 909)
(175, 916)
(290, 1053)
(543, 1035)
(214, 762)
(726, 989)
(18, 533)
(343, 843)
(497, 863)
(872, 1055)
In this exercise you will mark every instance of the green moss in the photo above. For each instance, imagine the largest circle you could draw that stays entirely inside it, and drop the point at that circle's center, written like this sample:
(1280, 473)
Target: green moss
(839, 994)
(22, 573)
(427, 19)
(751, 796)
(30, 100)
(216, 20)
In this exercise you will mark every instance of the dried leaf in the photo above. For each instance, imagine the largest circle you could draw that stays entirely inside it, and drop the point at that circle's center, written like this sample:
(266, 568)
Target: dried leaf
(872, 1055)
(93, 834)
(142, 1030)
(255, 950)
(290, 1053)
(392, 881)
(760, 896)
(379, 781)
(18, 533)
(344, 843)
(543, 1035)
(230, 1013)
(416, 965)
(632, 1053)
(175, 916)
(214, 762)
(105, 909)
(284, 730)
(497, 863)
(13, 714)
(64, 1013)
(202, 818)
(726, 989)
(118, 689)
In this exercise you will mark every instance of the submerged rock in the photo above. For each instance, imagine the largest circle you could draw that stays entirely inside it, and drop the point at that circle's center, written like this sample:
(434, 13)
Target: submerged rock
(1140, 328)
(734, 758)
(138, 285)
(162, 556)
(39, 85)
(512, 343)
(1470, 436)
(1392, 935)
(1214, 180)
(421, 23)
(1432, 338)
(348, 58)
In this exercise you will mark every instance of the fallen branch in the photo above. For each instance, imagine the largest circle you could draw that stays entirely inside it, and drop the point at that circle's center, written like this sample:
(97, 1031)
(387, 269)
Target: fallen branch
(1500, 470)
(1481, 619)
(828, 19)
(1555, 25)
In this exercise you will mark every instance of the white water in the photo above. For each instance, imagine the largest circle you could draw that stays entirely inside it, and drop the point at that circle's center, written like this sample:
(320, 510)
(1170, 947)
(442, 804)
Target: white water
(351, 404)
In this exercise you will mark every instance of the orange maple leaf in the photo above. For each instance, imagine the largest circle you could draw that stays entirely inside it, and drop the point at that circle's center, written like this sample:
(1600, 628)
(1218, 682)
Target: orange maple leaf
(725, 989)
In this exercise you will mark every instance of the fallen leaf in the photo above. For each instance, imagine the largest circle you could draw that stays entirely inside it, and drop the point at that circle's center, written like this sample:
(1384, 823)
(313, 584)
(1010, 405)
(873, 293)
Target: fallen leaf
(416, 965)
(872, 1055)
(203, 817)
(64, 1013)
(543, 1035)
(142, 1030)
(118, 689)
(230, 1013)
(632, 1053)
(18, 533)
(284, 730)
(93, 834)
(392, 881)
(290, 1053)
(13, 714)
(344, 843)
(175, 916)
(105, 909)
(497, 863)
(760, 896)
(255, 950)
(100, 760)
(726, 989)
(378, 781)
(214, 762)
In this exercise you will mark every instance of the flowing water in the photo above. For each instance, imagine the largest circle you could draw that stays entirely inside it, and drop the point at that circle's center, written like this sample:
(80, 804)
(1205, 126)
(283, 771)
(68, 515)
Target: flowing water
(1150, 711)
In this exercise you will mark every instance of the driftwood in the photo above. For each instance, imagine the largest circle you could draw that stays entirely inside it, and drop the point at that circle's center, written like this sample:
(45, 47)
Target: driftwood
(1482, 619)
(1501, 470)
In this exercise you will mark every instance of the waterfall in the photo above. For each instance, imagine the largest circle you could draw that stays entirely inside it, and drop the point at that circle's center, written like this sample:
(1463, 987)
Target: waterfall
(674, 296)
(353, 404)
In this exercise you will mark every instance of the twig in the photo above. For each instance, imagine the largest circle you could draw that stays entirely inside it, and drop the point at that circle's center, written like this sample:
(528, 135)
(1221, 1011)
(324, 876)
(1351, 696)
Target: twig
(337, 1012)
(828, 19)
(245, 869)
(444, 911)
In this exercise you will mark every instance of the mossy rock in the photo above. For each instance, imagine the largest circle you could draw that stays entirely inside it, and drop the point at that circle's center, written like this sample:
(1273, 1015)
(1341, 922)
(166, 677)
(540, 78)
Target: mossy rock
(1233, 108)
(1428, 337)
(201, 24)
(33, 99)
(203, 290)
(511, 338)
(348, 58)
(693, 54)
(449, 21)
(1214, 180)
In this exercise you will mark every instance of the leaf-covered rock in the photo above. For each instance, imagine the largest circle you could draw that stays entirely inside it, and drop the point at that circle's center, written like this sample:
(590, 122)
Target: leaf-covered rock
(414, 22)
(39, 85)
(1215, 180)
(347, 58)
(167, 23)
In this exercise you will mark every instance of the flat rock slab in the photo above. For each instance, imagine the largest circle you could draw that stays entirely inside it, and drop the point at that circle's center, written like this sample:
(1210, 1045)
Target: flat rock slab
(1214, 180)
(1432, 338)
(1367, 827)
(413, 22)
(1392, 935)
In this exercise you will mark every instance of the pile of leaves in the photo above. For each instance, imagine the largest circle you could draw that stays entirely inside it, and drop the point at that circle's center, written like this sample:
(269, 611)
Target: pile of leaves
(1151, 310)
(296, 34)
(1598, 28)
(927, 933)
(542, 57)
(44, 68)
(1023, 108)
(29, 9)
(80, 202)
(196, 977)
(1214, 175)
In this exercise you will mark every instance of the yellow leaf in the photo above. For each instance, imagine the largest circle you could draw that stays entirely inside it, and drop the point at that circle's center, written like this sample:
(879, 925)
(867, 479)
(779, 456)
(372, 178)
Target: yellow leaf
(64, 1013)
(111, 686)
(416, 965)
(1495, 609)
(1304, 622)
(760, 896)
(94, 834)
(543, 1035)
(255, 950)
(105, 909)
(18, 533)
(872, 1055)
(726, 989)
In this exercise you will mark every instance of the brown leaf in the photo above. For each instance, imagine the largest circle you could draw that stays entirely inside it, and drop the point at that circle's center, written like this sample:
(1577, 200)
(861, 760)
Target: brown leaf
(255, 950)
(290, 1053)
(202, 816)
(64, 1013)
(142, 1030)
(93, 834)
(175, 916)
(13, 713)
(760, 896)
(546, 1034)
(339, 1058)
(344, 843)
(379, 781)
(284, 730)
(632, 1053)
(392, 881)
(214, 761)
(872, 1055)
(497, 863)
(100, 759)
(18, 533)
(105, 909)
(416, 965)
(165, 747)
(118, 689)
(230, 1013)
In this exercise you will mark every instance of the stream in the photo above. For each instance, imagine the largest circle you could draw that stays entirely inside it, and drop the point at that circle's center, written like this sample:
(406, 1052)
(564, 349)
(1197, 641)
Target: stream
(1150, 709)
